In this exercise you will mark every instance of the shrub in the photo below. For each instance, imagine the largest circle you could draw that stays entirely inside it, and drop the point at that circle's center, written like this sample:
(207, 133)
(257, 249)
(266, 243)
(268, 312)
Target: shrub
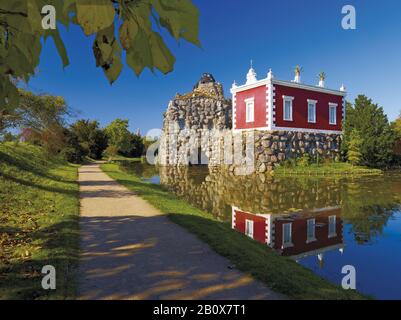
(304, 161)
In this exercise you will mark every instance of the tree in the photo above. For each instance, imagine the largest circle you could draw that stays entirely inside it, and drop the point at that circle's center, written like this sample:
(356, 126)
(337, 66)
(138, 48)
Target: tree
(119, 136)
(117, 26)
(374, 129)
(137, 146)
(39, 112)
(354, 147)
(397, 126)
(91, 138)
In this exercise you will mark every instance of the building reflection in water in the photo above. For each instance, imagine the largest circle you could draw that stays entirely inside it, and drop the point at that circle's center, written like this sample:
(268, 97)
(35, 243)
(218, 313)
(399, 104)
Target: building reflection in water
(296, 235)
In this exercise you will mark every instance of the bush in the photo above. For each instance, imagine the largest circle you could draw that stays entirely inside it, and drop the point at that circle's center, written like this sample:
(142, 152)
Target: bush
(72, 155)
(111, 151)
(304, 161)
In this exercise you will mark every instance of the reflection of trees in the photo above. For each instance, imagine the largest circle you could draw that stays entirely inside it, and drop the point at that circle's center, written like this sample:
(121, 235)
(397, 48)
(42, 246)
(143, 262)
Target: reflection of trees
(368, 204)
(140, 169)
(369, 226)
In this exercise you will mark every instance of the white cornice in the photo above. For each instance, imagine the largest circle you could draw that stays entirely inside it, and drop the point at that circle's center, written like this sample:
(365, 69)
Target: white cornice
(291, 84)
(309, 87)
(244, 87)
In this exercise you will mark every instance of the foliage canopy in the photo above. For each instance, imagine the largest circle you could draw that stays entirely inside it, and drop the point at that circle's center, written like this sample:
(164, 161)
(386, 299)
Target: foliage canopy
(118, 25)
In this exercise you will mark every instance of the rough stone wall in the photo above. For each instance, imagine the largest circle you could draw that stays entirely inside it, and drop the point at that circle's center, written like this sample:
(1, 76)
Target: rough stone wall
(188, 116)
(258, 193)
(197, 130)
(274, 147)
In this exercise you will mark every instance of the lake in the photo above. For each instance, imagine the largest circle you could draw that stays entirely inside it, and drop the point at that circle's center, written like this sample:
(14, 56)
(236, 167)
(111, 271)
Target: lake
(324, 223)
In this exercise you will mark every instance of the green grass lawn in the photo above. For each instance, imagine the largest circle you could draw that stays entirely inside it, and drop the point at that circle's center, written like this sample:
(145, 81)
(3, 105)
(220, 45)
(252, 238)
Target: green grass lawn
(281, 274)
(120, 158)
(338, 168)
(39, 210)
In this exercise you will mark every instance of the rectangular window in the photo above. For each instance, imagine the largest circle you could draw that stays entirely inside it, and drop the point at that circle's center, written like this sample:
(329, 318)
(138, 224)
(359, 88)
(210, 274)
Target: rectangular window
(287, 106)
(250, 110)
(332, 113)
(312, 111)
(287, 234)
(311, 227)
(332, 226)
(249, 228)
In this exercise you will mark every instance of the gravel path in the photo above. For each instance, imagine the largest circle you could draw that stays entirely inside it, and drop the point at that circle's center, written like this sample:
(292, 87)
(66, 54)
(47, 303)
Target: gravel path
(130, 250)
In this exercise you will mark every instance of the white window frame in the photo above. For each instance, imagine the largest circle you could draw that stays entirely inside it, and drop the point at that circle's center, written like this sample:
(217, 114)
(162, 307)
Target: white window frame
(250, 105)
(333, 106)
(249, 228)
(312, 103)
(312, 237)
(332, 221)
(288, 243)
(291, 100)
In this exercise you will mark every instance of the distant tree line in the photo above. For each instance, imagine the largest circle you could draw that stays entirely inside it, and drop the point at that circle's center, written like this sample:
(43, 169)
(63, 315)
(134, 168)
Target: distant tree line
(43, 120)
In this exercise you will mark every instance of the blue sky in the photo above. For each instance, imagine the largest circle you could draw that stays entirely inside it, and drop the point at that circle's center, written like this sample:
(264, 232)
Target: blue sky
(274, 34)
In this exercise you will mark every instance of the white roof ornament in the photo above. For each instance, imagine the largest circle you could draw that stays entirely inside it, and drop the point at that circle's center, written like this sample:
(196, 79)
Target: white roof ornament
(343, 88)
(270, 75)
(234, 85)
(251, 77)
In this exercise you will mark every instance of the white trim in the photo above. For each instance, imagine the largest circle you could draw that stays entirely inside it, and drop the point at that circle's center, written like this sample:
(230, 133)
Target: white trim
(234, 110)
(313, 238)
(333, 105)
(249, 231)
(244, 87)
(250, 114)
(309, 87)
(306, 130)
(274, 128)
(291, 100)
(333, 234)
(313, 103)
(252, 129)
(287, 244)
(233, 215)
(272, 105)
(315, 252)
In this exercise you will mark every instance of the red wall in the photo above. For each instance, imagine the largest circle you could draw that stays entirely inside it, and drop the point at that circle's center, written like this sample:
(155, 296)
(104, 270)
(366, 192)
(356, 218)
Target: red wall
(299, 233)
(259, 225)
(259, 94)
(300, 108)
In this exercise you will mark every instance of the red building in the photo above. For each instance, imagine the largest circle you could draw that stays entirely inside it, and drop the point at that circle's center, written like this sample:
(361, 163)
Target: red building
(296, 234)
(276, 105)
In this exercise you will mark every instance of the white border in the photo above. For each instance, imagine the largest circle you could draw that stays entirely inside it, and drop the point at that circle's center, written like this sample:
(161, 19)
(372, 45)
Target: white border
(333, 105)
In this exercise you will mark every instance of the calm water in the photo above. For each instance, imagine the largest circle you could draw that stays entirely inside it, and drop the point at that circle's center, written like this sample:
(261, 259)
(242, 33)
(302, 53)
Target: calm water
(322, 223)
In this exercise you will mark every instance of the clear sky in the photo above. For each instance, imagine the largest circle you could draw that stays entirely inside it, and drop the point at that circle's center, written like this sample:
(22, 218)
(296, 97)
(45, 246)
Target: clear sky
(274, 34)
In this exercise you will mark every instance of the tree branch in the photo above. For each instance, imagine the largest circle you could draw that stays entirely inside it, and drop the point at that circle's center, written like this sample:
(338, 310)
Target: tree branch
(14, 13)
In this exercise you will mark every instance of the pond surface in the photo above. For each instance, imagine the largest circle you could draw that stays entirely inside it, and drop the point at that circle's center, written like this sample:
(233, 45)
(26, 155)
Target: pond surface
(322, 223)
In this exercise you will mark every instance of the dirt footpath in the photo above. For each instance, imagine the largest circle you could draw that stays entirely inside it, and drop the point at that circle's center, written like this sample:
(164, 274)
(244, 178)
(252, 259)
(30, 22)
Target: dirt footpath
(130, 250)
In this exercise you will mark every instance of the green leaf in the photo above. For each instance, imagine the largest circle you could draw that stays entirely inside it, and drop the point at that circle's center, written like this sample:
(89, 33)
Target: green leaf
(95, 15)
(107, 52)
(128, 32)
(62, 51)
(180, 18)
(162, 57)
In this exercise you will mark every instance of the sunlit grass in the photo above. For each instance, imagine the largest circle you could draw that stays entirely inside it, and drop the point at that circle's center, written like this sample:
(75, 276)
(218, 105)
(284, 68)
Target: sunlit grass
(39, 211)
(337, 168)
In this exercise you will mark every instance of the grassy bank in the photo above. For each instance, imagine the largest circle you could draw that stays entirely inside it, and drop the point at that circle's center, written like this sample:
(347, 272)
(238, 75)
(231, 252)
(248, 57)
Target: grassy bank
(39, 211)
(338, 168)
(281, 274)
